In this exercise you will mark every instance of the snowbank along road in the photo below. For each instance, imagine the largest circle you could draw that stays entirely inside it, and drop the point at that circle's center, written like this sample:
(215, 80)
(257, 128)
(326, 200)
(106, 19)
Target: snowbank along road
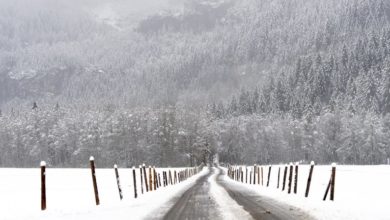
(213, 197)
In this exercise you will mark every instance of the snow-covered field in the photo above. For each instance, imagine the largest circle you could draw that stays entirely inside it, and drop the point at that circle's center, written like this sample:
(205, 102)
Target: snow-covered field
(361, 192)
(70, 194)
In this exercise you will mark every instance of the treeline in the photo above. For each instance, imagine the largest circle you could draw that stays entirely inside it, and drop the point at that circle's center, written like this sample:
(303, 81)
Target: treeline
(338, 136)
(66, 138)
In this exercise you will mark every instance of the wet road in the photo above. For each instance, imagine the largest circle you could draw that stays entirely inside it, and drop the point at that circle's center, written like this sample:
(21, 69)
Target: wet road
(260, 207)
(196, 202)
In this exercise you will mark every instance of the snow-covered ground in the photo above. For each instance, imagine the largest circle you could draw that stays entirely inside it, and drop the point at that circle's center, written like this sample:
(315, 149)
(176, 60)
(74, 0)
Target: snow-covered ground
(361, 192)
(70, 194)
(226, 205)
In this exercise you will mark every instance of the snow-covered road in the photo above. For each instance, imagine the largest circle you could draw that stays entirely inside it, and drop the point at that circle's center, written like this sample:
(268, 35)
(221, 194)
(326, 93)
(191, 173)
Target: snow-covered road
(212, 197)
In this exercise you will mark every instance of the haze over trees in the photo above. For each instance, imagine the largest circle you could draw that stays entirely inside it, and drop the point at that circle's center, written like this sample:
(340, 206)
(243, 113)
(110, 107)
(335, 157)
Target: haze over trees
(258, 81)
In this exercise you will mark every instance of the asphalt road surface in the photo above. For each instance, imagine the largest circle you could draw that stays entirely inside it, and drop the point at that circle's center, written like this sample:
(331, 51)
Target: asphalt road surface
(196, 203)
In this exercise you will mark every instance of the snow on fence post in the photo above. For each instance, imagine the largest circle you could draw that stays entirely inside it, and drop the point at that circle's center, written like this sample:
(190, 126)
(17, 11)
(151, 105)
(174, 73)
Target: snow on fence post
(118, 182)
(290, 178)
(145, 177)
(95, 188)
(135, 183)
(296, 178)
(43, 185)
(150, 179)
(284, 177)
(269, 175)
(333, 179)
(141, 178)
(309, 179)
(278, 178)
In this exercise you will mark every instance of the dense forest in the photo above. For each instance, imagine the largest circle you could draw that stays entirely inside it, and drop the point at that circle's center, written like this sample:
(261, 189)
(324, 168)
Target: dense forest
(256, 81)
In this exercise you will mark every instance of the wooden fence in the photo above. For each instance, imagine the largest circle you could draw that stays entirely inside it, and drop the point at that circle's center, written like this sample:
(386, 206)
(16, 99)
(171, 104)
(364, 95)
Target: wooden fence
(150, 179)
(289, 178)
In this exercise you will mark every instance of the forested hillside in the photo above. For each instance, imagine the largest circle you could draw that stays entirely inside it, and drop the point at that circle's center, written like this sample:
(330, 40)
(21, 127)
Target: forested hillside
(259, 81)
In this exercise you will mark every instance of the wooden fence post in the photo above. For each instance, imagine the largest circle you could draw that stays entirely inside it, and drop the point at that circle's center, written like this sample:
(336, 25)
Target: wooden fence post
(331, 184)
(163, 179)
(284, 177)
(175, 176)
(155, 178)
(262, 179)
(278, 178)
(258, 175)
(150, 179)
(269, 175)
(145, 178)
(238, 174)
(333, 179)
(95, 188)
(118, 182)
(250, 177)
(159, 180)
(254, 174)
(327, 189)
(135, 183)
(43, 185)
(170, 177)
(309, 179)
(141, 178)
(290, 178)
(246, 174)
(296, 178)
